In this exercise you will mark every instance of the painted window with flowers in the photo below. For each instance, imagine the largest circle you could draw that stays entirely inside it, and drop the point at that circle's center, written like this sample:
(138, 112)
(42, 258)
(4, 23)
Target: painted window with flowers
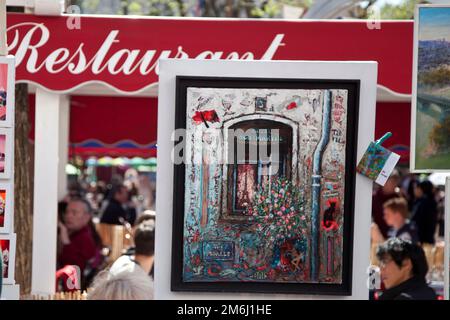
(255, 161)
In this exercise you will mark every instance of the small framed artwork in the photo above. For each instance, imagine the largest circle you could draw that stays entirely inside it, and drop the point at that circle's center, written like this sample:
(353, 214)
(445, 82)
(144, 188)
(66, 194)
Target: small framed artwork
(8, 256)
(264, 196)
(7, 76)
(6, 152)
(6, 210)
(430, 116)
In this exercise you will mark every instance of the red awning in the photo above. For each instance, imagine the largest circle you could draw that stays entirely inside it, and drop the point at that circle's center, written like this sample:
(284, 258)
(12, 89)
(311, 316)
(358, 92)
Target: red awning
(110, 126)
(99, 127)
(123, 52)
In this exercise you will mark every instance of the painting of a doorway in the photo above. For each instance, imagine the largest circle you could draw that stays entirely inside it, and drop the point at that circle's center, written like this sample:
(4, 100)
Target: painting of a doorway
(263, 201)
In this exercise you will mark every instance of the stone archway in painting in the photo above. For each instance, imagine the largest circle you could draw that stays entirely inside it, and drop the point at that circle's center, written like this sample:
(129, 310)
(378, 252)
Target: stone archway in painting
(243, 172)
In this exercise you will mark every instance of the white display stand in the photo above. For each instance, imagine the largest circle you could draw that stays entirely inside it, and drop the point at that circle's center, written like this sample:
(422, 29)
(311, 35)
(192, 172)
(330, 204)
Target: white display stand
(169, 69)
(10, 290)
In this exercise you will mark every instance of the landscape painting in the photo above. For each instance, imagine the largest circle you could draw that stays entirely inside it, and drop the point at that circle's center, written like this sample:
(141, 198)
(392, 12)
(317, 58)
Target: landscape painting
(264, 198)
(432, 94)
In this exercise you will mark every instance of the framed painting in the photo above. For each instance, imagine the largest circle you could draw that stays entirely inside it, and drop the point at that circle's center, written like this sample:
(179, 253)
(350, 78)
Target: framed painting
(8, 255)
(7, 69)
(430, 123)
(6, 210)
(6, 152)
(265, 189)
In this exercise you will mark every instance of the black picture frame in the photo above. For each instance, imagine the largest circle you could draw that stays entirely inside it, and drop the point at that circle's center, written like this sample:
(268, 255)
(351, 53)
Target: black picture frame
(343, 289)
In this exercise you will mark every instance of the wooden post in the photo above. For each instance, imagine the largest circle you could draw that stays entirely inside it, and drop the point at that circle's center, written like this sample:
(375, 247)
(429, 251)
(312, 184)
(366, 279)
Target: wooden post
(23, 181)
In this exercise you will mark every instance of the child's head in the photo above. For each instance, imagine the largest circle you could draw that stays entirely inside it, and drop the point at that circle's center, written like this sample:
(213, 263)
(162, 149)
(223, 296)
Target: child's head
(395, 211)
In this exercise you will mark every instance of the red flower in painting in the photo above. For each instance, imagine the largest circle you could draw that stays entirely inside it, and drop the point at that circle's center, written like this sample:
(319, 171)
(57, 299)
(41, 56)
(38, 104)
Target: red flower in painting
(196, 236)
(197, 117)
(292, 105)
(196, 260)
(211, 116)
(205, 116)
(329, 225)
(261, 268)
(214, 270)
(271, 274)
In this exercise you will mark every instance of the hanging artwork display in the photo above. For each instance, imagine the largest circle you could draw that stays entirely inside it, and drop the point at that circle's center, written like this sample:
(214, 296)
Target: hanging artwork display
(6, 152)
(5, 207)
(8, 254)
(7, 68)
(264, 196)
(430, 126)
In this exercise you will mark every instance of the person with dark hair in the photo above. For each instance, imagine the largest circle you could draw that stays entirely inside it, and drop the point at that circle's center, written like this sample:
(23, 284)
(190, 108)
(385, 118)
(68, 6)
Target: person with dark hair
(396, 216)
(145, 216)
(424, 212)
(403, 270)
(140, 264)
(144, 241)
(116, 211)
(388, 191)
(77, 244)
(148, 217)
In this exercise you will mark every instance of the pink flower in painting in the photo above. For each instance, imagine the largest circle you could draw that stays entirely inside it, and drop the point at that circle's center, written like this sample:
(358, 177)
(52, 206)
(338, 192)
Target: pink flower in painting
(303, 218)
(283, 209)
(279, 213)
(289, 227)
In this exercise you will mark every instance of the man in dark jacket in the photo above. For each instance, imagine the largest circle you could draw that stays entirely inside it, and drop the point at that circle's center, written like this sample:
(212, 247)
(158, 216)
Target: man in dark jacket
(116, 211)
(425, 212)
(403, 271)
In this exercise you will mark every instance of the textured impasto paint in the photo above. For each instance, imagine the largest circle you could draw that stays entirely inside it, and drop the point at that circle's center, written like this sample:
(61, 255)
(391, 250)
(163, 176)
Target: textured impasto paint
(241, 225)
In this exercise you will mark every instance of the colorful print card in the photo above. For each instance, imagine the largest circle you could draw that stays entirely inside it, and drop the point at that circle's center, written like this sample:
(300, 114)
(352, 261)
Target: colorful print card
(377, 163)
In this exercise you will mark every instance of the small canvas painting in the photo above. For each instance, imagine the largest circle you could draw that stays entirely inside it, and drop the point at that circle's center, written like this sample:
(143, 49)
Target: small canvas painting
(431, 130)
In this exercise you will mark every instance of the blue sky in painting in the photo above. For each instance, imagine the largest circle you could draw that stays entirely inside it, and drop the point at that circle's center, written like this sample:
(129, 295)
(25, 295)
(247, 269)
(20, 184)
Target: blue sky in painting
(434, 23)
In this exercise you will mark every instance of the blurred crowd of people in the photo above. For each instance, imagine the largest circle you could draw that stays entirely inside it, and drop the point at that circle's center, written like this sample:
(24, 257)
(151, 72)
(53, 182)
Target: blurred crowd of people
(82, 258)
(407, 216)
(409, 208)
(407, 212)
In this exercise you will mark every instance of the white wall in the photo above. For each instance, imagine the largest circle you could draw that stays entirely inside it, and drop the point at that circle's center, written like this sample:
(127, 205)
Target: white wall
(169, 69)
